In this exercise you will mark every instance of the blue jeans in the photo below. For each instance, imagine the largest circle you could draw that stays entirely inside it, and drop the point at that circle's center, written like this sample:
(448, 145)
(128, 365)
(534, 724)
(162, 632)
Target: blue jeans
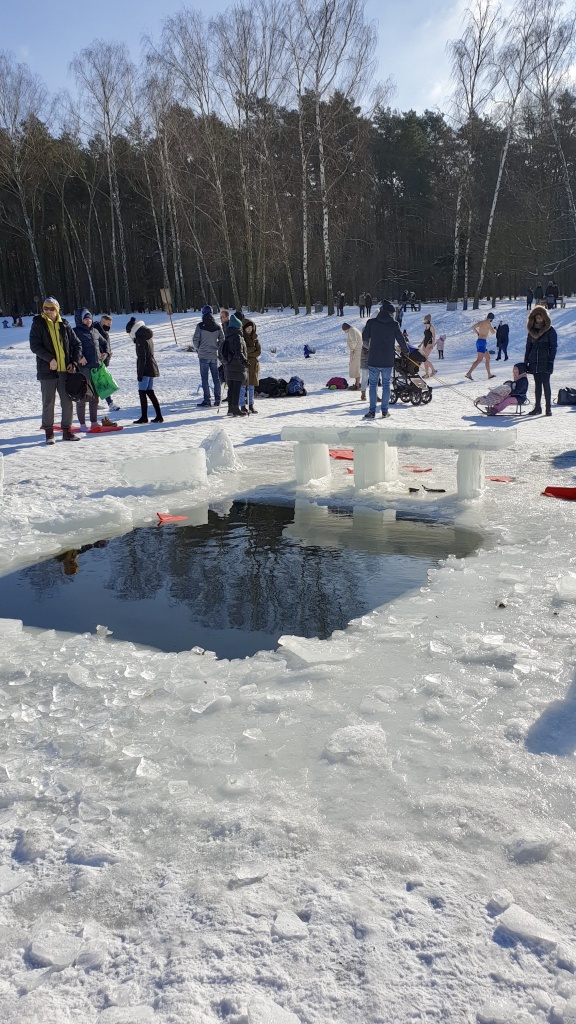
(210, 365)
(250, 394)
(373, 375)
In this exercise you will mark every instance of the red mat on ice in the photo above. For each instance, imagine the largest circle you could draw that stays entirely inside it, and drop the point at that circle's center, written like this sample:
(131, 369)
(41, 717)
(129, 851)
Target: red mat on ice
(567, 493)
(92, 430)
(341, 453)
(417, 469)
(165, 517)
(502, 479)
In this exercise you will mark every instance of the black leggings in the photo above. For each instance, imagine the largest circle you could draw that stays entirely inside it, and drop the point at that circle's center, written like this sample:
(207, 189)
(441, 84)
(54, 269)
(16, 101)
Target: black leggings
(542, 380)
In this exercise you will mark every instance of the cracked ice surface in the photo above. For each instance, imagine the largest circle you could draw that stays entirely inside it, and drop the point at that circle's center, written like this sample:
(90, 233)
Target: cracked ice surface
(376, 828)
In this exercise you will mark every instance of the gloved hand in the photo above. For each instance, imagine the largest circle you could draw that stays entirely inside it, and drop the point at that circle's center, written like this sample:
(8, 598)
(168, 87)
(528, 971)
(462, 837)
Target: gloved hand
(550, 367)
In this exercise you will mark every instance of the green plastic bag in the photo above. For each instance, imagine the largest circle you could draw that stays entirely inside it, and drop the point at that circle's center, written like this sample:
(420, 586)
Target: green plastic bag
(103, 382)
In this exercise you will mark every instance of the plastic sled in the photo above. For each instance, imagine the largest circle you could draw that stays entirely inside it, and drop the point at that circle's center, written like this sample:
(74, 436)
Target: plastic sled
(165, 517)
(341, 453)
(566, 493)
(103, 430)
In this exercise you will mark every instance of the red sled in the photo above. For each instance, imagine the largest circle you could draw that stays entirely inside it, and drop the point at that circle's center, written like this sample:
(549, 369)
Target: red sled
(341, 453)
(103, 430)
(566, 493)
(165, 517)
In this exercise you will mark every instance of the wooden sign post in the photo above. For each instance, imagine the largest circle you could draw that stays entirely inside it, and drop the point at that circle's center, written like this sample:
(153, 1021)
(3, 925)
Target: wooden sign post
(167, 303)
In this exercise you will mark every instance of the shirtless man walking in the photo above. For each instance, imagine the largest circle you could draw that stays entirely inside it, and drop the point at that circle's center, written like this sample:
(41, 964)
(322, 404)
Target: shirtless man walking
(483, 329)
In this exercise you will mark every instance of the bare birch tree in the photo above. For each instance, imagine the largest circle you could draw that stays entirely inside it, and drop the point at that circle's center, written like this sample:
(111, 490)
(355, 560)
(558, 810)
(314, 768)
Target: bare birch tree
(475, 75)
(518, 59)
(23, 103)
(556, 42)
(103, 76)
(341, 47)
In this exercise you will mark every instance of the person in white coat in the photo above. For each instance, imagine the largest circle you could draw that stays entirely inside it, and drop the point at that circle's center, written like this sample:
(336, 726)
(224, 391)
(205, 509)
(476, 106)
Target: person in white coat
(354, 342)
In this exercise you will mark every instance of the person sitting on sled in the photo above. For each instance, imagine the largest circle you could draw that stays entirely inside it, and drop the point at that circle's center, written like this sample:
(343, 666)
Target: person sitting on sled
(512, 392)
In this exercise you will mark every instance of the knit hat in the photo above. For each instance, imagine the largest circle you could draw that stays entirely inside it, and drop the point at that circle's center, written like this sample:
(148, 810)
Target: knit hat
(50, 300)
(85, 313)
(143, 333)
(387, 307)
(521, 367)
(133, 325)
(206, 311)
(234, 321)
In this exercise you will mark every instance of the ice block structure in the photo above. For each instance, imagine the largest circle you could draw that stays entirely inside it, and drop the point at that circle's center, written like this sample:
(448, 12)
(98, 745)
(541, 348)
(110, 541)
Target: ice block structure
(175, 471)
(375, 451)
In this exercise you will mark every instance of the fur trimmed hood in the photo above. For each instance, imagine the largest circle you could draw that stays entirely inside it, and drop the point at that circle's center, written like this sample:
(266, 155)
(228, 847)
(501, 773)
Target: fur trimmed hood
(537, 332)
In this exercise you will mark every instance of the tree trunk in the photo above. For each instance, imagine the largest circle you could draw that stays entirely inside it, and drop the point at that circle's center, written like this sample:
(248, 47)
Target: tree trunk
(565, 174)
(84, 259)
(113, 233)
(123, 256)
(467, 259)
(32, 243)
(455, 266)
(325, 220)
(503, 156)
(307, 301)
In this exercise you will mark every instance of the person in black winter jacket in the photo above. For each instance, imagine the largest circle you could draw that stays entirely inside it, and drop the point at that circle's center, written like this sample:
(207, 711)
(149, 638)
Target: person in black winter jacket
(502, 338)
(146, 368)
(91, 359)
(382, 332)
(541, 346)
(57, 352)
(103, 326)
(235, 360)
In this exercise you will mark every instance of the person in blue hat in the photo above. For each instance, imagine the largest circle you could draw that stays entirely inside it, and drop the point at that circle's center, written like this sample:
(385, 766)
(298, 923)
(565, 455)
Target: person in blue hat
(207, 341)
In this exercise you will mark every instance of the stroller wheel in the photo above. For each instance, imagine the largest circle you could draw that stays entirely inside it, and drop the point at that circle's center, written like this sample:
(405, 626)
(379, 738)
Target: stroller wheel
(415, 397)
(393, 397)
(426, 396)
(404, 395)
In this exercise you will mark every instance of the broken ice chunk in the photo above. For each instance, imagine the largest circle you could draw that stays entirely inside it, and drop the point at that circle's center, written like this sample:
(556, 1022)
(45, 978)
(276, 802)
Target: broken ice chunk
(53, 947)
(288, 926)
(525, 926)
(264, 1011)
(10, 880)
(103, 631)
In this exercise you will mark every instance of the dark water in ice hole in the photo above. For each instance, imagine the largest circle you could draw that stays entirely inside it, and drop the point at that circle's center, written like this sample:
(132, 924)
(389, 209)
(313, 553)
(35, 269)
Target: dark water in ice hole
(237, 582)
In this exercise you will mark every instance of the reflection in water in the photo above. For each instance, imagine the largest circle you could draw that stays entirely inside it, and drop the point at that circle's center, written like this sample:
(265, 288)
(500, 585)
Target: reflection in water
(234, 583)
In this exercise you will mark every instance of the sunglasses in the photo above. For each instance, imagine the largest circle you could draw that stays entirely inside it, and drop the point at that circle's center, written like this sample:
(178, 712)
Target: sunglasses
(49, 309)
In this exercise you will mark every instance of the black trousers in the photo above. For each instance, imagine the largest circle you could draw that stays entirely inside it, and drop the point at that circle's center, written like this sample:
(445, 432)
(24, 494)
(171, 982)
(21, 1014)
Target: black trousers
(234, 393)
(542, 381)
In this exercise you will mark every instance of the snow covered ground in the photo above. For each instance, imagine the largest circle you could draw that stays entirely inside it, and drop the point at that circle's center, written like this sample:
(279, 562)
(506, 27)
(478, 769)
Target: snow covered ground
(371, 829)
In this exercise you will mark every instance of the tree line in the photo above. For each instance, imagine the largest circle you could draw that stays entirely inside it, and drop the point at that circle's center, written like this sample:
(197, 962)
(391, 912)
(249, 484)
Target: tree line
(249, 160)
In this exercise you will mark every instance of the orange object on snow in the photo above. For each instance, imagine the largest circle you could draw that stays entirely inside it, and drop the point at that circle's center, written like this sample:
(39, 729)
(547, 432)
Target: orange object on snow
(417, 469)
(566, 493)
(165, 517)
(502, 479)
(341, 453)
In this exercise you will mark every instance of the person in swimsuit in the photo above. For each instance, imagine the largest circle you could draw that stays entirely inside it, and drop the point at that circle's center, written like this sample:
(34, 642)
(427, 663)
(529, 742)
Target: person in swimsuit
(483, 329)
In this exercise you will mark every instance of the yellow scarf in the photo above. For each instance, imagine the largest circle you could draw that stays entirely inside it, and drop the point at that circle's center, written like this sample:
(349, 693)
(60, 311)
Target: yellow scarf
(54, 330)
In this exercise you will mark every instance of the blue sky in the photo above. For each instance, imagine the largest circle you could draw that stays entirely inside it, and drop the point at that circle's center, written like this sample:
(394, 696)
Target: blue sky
(411, 44)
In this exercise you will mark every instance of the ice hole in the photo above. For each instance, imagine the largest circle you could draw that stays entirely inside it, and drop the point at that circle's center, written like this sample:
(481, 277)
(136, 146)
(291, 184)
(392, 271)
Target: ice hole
(234, 580)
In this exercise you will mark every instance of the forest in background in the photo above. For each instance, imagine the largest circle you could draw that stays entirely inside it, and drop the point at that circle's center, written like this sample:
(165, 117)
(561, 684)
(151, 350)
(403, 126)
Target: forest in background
(250, 160)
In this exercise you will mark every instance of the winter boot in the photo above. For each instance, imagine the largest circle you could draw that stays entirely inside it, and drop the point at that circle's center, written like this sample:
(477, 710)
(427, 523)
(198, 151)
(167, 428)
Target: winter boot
(107, 422)
(536, 411)
(252, 409)
(69, 435)
(548, 410)
(158, 417)
(369, 416)
(243, 411)
(143, 407)
(50, 436)
(362, 396)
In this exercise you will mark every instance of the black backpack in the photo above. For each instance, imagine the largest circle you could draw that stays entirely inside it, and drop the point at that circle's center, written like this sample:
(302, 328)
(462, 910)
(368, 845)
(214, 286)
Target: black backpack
(76, 386)
(567, 396)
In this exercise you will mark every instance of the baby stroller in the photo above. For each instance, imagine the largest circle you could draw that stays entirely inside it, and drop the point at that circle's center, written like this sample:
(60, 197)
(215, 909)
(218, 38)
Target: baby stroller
(407, 384)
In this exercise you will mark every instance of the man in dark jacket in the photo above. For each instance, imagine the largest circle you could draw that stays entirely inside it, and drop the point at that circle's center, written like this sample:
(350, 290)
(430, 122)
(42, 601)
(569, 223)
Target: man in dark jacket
(57, 352)
(529, 297)
(502, 337)
(541, 345)
(235, 360)
(382, 332)
(103, 326)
